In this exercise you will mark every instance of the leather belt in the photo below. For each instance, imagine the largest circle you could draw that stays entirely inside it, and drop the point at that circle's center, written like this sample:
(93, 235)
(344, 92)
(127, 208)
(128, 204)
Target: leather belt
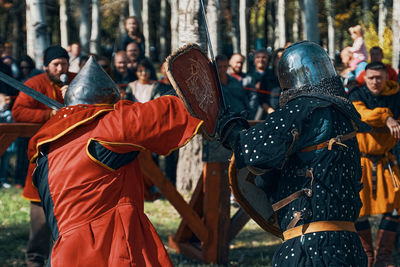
(320, 226)
(333, 141)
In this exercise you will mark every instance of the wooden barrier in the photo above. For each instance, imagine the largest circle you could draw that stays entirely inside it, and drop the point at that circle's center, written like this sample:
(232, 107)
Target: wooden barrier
(206, 228)
(11, 131)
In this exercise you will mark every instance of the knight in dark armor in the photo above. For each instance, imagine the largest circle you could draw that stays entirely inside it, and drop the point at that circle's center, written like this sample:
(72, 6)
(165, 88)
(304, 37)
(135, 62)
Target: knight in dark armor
(309, 145)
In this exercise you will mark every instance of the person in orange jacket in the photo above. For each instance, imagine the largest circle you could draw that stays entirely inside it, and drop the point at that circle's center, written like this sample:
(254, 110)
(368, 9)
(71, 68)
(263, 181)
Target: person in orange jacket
(88, 177)
(377, 102)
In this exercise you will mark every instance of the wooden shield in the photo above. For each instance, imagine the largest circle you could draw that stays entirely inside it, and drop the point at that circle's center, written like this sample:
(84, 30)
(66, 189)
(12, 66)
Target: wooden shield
(195, 81)
(252, 199)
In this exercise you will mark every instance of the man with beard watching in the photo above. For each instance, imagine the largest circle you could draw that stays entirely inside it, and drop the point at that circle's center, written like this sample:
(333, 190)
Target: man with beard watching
(27, 109)
(135, 55)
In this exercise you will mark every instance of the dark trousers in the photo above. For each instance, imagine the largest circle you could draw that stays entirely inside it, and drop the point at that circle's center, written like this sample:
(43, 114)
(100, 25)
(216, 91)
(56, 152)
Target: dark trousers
(22, 161)
(39, 237)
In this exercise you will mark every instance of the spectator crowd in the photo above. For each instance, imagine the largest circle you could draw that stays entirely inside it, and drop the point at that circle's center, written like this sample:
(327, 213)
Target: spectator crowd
(371, 85)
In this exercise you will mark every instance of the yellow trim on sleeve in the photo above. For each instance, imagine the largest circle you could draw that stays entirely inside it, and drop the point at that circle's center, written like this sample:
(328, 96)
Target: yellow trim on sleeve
(66, 131)
(94, 159)
(188, 140)
(32, 199)
(107, 143)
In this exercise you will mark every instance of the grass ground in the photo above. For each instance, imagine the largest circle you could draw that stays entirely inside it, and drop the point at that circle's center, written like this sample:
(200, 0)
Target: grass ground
(252, 247)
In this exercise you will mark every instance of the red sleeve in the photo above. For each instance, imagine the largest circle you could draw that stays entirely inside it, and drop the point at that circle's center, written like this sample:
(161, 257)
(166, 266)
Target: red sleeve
(360, 78)
(27, 109)
(161, 125)
(392, 73)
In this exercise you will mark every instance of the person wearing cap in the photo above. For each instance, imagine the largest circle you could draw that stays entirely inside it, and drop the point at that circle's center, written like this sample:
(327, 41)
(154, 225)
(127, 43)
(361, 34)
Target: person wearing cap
(96, 211)
(27, 109)
(378, 104)
(309, 144)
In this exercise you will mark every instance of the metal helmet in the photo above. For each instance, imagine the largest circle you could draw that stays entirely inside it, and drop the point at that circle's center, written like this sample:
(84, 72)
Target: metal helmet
(92, 85)
(304, 63)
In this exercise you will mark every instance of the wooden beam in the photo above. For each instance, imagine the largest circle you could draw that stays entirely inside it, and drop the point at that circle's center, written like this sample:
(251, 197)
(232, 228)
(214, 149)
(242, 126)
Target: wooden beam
(184, 234)
(11, 131)
(150, 169)
(21, 129)
(238, 221)
(188, 249)
(216, 212)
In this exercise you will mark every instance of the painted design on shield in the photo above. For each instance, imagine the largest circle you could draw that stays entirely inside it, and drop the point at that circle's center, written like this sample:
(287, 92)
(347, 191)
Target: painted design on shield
(199, 84)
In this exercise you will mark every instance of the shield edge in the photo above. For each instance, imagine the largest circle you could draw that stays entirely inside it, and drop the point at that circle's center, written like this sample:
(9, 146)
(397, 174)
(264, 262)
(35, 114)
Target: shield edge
(170, 75)
(276, 231)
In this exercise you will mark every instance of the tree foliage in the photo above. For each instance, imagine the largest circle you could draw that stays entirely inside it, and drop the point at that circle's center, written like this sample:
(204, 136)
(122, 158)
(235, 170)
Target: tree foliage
(371, 39)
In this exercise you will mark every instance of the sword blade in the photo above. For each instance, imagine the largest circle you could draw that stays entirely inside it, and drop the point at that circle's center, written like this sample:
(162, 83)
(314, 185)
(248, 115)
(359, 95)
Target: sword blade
(213, 63)
(31, 92)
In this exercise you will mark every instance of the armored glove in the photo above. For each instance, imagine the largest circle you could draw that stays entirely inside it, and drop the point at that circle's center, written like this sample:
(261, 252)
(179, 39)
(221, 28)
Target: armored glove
(230, 124)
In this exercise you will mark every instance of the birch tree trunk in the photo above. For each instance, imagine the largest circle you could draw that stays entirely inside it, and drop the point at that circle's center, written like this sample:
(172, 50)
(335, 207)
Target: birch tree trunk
(190, 164)
(17, 40)
(64, 23)
(243, 31)
(146, 28)
(365, 10)
(174, 24)
(296, 17)
(163, 31)
(235, 26)
(280, 29)
(30, 35)
(270, 18)
(330, 9)
(311, 16)
(213, 21)
(303, 19)
(84, 27)
(396, 34)
(135, 7)
(37, 19)
(95, 30)
(190, 26)
(382, 19)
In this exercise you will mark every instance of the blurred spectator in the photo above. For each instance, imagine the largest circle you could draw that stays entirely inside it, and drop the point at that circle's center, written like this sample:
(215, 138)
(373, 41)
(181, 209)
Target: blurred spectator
(133, 33)
(376, 55)
(7, 58)
(164, 85)
(5, 117)
(4, 88)
(84, 58)
(10, 61)
(253, 81)
(121, 73)
(134, 54)
(349, 76)
(236, 66)
(269, 96)
(74, 57)
(105, 63)
(235, 97)
(27, 68)
(142, 90)
(358, 49)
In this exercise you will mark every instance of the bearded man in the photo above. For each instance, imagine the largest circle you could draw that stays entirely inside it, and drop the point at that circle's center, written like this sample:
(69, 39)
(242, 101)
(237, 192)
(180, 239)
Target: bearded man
(27, 109)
